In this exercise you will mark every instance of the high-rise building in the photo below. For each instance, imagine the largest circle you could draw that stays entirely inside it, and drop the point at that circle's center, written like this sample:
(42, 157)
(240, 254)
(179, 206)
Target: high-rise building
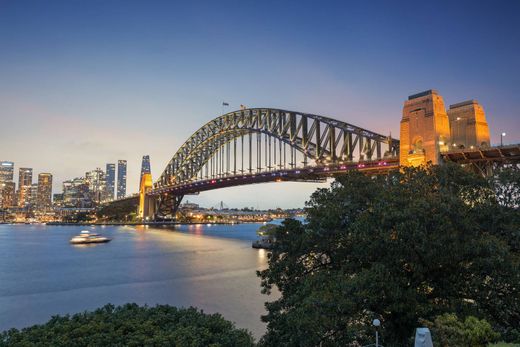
(96, 184)
(7, 194)
(76, 193)
(145, 166)
(6, 171)
(468, 125)
(7, 186)
(24, 186)
(44, 198)
(110, 176)
(33, 196)
(121, 179)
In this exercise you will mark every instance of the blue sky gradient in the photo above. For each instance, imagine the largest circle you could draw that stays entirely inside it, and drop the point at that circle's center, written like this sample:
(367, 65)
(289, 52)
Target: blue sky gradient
(83, 83)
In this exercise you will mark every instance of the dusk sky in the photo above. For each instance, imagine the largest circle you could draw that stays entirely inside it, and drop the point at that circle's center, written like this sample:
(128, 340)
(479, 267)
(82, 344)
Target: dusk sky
(84, 83)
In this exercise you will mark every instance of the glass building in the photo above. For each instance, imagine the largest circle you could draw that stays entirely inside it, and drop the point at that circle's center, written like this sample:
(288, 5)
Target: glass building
(7, 186)
(6, 171)
(121, 179)
(110, 176)
(44, 198)
(96, 184)
(24, 186)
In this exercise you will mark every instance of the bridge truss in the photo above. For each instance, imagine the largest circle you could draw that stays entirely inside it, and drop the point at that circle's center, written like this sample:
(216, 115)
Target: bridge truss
(263, 145)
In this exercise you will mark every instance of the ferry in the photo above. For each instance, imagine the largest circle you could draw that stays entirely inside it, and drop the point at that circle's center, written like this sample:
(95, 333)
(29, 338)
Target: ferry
(86, 237)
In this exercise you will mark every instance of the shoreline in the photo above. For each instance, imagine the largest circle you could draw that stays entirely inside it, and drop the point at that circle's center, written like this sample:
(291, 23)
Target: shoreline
(142, 223)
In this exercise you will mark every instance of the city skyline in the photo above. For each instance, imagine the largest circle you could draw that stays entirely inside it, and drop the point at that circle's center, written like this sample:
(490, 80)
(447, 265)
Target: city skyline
(97, 88)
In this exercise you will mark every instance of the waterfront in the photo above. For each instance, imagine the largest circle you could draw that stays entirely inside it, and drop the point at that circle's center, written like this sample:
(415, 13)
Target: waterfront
(210, 267)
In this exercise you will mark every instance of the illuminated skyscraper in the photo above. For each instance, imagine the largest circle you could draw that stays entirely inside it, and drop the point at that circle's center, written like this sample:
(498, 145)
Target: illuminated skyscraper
(145, 166)
(33, 196)
(7, 186)
(6, 171)
(110, 176)
(96, 184)
(44, 198)
(24, 186)
(76, 193)
(121, 179)
(7, 194)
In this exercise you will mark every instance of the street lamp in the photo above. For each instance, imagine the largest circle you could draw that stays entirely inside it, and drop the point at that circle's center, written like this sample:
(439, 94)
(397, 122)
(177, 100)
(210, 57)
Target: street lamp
(376, 322)
(501, 139)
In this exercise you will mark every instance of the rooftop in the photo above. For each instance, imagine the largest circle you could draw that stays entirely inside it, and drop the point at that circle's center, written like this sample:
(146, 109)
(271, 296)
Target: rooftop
(421, 94)
(464, 103)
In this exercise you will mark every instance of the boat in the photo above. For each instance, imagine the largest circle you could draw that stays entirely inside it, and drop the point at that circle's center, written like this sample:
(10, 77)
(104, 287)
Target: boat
(85, 237)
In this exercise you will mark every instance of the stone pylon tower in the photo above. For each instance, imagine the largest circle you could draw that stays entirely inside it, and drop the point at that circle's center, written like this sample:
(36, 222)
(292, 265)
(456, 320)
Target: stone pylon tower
(146, 204)
(469, 128)
(425, 129)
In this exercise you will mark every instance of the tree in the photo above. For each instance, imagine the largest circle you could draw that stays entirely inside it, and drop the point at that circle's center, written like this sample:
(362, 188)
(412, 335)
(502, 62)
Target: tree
(448, 330)
(132, 325)
(412, 245)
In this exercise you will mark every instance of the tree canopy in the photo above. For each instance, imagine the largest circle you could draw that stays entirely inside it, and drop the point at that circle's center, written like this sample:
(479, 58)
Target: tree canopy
(403, 248)
(132, 325)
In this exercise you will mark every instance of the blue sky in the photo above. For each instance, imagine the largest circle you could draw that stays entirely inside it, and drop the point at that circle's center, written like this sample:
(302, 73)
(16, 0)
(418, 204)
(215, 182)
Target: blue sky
(83, 83)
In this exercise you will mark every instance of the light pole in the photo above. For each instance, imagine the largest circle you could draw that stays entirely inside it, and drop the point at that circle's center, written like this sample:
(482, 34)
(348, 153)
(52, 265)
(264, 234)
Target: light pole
(376, 322)
(502, 139)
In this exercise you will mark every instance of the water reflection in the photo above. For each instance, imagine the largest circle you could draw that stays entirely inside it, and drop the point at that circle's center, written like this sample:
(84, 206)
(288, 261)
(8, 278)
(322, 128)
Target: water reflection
(209, 267)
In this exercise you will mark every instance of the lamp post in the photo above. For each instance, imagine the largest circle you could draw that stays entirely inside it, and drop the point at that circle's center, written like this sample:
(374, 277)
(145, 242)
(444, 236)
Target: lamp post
(376, 322)
(502, 139)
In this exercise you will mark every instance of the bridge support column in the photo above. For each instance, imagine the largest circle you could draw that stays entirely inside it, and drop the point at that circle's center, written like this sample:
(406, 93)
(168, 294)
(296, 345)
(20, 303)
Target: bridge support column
(167, 205)
(146, 205)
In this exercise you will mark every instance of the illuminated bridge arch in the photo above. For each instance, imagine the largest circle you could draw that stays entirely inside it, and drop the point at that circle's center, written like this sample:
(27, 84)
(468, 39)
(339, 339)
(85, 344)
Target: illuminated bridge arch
(263, 144)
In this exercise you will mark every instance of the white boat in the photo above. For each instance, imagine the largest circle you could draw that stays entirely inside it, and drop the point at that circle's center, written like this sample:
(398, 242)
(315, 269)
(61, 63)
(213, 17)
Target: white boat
(86, 237)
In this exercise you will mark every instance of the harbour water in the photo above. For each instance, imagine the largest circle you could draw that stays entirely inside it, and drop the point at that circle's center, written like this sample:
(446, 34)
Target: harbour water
(211, 267)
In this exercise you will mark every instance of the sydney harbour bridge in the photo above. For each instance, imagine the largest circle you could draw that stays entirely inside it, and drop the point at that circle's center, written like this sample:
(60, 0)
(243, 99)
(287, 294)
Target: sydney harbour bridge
(272, 145)
(265, 145)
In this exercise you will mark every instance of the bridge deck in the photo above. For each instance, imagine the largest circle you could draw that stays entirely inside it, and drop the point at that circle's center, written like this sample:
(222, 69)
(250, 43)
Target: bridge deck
(509, 153)
(309, 174)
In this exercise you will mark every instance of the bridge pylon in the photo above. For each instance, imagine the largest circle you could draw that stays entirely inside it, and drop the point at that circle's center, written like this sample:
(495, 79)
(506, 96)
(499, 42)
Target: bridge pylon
(146, 201)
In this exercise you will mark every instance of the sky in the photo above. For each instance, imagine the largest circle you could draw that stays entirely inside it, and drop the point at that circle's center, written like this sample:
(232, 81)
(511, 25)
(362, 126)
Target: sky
(85, 83)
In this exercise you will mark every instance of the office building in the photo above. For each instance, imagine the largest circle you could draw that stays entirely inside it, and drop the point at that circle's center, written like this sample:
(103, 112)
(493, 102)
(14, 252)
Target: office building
(110, 176)
(7, 194)
(6, 171)
(121, 179)
(96, 184)
(76, 193)
(7, 186)
(24, 186)
(44, 198)
(33, 196)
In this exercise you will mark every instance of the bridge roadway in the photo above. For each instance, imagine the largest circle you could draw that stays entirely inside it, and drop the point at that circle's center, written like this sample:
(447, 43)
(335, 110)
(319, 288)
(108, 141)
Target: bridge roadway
(308, 174)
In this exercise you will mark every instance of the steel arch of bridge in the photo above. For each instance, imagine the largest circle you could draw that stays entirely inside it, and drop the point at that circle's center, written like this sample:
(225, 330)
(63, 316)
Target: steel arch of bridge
(212, 151)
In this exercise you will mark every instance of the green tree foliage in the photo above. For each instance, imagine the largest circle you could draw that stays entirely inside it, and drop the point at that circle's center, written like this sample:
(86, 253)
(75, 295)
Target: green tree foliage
(132, 325)
(447, 331)
(404, 247)
(119, 211)
(267, 230)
